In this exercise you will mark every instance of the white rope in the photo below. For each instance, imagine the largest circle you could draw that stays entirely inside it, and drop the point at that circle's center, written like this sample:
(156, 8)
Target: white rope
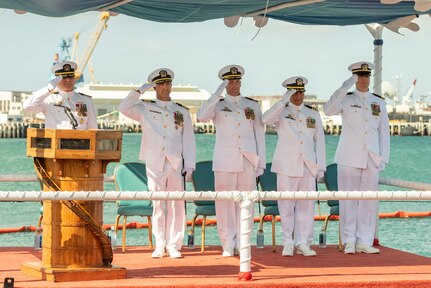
(236, 196)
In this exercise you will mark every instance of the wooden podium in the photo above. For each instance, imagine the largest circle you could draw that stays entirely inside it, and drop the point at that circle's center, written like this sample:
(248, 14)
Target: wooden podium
(74, 246)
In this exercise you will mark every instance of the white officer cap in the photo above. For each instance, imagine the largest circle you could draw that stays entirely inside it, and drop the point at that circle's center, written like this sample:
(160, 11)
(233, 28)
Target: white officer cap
(296, 82)
(361, 68)
(64, 68)
(230, 72)
(161, 75)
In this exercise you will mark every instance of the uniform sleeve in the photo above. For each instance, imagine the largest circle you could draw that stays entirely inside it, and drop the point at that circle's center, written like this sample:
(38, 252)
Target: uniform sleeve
(92, 119)
(35, 103)
(383, 129)
(259, 132)
(319, 139)
(189, 143)
(272, 115)
(334, 105)
(129, 105)
(206, 112)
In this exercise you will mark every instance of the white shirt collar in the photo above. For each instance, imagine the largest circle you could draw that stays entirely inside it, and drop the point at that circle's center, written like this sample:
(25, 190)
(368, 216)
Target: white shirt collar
(234, 99)
(163, 104)
(299, 108)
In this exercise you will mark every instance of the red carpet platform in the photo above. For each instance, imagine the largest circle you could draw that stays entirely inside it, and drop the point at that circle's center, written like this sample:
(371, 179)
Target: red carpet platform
(391, 268)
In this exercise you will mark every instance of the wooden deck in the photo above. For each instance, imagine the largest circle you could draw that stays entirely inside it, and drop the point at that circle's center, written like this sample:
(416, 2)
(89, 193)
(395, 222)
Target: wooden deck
(391, 268)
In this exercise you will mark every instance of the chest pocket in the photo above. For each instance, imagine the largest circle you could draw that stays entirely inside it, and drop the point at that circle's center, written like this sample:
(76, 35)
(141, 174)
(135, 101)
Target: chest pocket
(354, 112)
(154, 115)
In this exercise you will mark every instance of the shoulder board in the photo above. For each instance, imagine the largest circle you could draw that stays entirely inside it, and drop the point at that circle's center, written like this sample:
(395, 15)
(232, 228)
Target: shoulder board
(181, 105)
(349, 93)
(287, 105)
(148, 101)
(82, 94)
(378, 96)
(55, 92)
(310, 107)
(251, 99)
(222, 99)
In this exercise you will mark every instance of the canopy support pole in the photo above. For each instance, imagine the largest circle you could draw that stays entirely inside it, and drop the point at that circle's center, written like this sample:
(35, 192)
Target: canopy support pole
(376, 31)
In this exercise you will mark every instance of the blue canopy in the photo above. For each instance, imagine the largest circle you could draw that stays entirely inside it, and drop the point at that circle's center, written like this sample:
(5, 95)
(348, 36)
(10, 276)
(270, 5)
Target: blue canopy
(321, 12)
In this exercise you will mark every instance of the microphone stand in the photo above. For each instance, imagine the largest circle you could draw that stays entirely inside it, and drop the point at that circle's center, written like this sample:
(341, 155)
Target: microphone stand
(69, 115)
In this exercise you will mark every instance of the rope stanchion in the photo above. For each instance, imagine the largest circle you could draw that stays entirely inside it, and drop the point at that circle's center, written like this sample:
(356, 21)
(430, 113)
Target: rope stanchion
(246, 200)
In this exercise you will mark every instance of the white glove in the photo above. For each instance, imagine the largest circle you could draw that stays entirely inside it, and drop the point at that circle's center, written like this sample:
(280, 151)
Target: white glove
(53, 83)
(286, 96)
(146, 86)
(349, 82)
(220, 88)
(382, 167)
(188, 172)
(320, 175)
(259, 172)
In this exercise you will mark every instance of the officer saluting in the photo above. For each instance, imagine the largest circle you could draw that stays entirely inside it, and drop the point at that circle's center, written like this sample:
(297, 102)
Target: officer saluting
(63, 109)
(363, 151)
(239, 152)
(299, 159)
(169, 150)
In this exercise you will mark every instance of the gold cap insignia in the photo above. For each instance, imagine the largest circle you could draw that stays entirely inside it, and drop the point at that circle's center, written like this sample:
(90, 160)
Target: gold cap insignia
(299, 81)
(163, 73)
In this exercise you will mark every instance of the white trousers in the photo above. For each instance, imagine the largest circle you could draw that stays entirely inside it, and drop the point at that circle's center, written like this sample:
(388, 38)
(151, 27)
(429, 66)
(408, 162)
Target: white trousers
(358, 218)
(228, 212)
(168, 215)
(297, 216)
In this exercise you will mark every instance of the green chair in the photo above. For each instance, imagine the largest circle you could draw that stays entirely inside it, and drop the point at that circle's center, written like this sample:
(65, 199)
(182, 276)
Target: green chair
(331, 182)
(131, 176)
(268, 182)
(203, 180)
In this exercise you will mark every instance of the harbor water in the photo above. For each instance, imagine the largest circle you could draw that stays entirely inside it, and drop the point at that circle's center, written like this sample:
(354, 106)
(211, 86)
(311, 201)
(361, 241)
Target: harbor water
(410, 157)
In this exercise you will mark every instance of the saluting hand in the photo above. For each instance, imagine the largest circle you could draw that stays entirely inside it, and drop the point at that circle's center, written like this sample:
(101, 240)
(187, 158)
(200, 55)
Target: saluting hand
(349, 82)
(53, 83)
(286, 96)
(146, 86)
(221, 88)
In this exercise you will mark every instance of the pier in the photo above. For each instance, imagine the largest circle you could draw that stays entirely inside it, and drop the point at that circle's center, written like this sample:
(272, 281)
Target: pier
(19, 129)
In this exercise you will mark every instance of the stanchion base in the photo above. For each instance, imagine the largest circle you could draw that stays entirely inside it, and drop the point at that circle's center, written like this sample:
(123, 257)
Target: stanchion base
(35, 269)
(245, 276)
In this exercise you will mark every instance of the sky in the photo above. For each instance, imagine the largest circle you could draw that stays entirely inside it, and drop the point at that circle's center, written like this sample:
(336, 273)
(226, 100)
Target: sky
(131, 48)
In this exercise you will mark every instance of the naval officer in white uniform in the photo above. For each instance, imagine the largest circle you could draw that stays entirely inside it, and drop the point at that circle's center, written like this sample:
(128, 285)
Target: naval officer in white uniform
(169, 150)
(363, 151)
(63, 108)
(299, 160)
(239, 152)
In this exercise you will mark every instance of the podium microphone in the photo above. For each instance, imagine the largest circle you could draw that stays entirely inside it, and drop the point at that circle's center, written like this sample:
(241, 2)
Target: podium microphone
(69, 115)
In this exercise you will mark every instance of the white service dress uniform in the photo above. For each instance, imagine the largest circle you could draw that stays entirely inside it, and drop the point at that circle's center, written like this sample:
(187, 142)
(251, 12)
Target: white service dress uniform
(79, 104)
(362, 151)
(167, 142)
(298, 159)
(63, 110)
(239, 151)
